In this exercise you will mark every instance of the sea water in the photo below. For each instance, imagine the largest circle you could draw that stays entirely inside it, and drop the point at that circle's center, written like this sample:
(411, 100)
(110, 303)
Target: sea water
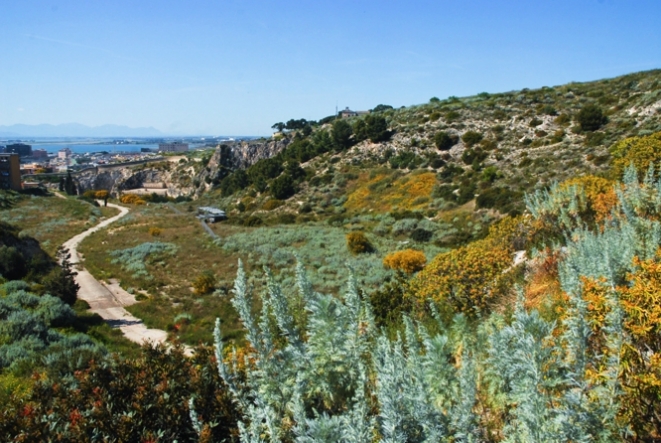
(82, 148)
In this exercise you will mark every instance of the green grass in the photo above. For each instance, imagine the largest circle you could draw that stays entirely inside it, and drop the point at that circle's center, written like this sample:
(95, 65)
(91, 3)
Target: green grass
(321, 247)
(53, 220)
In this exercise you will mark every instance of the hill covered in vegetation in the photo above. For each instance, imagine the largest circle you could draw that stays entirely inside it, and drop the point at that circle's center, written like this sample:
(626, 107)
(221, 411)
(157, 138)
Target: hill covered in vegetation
(494, 146)
(471, 269)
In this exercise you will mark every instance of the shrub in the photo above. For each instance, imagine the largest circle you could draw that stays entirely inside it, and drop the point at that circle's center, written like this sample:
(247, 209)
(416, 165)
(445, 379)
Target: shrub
(535, 122)
(513, 379)
(404, 160)
(131, 199)
(408, 261)
(389, 303)
(404, 226)
(251, 221)
(599, 196)
(26, 322)
(591, 118)
(59, 282)
(503, 199)
(155, 232)
(470, 156)
(641, 151)
(271, 204)
(286, 218)
(204, 283)
(12, 263)
(451, 116)
(471, 278)
(490, 174)
(421, 235)
(135, 259)
(471, 138)
(357, 243)
(444, 141)
(144, 399)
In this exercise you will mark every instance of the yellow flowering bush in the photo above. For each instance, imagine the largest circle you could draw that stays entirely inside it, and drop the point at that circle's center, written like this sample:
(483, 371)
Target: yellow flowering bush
(472, 277)
(408, 261)
(641, 151)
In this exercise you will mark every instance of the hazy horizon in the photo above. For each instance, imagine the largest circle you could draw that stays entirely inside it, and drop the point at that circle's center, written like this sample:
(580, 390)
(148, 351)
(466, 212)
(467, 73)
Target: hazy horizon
(67, 130)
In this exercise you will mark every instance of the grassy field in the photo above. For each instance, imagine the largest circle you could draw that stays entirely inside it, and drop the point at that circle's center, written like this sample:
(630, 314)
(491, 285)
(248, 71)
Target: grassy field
(165, 288)
(53, 220)
(158, 251)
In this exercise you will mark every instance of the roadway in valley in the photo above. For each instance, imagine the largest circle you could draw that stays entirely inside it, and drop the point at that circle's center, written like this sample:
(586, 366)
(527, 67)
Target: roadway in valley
(109, 300)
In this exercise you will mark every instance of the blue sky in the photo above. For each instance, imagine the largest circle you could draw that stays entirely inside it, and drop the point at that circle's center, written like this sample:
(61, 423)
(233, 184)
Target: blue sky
(236, 67)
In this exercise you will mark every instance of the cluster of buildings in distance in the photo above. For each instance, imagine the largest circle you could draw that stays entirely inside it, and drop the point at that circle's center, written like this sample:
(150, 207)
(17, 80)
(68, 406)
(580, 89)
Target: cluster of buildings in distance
(20, 159)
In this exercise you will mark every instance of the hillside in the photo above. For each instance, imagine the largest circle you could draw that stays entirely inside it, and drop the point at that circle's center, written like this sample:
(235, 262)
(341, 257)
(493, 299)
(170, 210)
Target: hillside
(492, 146)
(478, 269)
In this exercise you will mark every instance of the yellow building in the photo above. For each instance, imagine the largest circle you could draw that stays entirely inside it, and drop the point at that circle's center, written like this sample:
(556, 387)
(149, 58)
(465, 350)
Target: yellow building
(10, 172)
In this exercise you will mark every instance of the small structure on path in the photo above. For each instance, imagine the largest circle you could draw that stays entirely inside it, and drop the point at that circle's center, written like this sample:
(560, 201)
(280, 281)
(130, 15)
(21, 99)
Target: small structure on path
(210, 214)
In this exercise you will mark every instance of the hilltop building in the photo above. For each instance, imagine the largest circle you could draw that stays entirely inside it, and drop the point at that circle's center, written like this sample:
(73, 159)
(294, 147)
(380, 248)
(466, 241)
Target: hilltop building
(10, 171)
(173, 147)
(21, 149)
(349, 113)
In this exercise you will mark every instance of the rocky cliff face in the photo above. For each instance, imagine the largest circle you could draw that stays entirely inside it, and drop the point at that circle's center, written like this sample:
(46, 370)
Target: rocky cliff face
(183, 177)
(239, 155)
(175, 180)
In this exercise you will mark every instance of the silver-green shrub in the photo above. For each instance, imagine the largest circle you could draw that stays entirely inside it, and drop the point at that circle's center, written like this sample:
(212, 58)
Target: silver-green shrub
(335, 378)
(325, 373)
(135, 259)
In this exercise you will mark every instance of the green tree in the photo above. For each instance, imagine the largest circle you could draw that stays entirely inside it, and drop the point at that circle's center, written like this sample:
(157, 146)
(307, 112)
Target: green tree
(381, 108)
(69, 185)
(372, 127)
(591, 118)
(322, 142)
(59, 282)
(279, 126)
(266, 168)
(283, 187)
(294, 170)
(341, 134)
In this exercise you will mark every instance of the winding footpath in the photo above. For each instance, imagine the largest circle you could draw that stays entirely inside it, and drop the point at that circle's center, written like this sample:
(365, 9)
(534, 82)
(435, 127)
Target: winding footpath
(109, 300)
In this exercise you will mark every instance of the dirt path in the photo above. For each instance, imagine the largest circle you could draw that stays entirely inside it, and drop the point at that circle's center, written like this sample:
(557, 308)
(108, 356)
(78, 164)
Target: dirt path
(109, 300)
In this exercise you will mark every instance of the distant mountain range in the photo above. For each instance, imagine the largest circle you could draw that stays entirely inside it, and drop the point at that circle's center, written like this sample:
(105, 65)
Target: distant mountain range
(76, 130)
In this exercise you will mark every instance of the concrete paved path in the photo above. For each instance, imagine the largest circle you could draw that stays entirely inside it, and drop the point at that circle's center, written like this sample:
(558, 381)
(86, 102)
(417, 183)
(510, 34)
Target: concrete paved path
(109, 301)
